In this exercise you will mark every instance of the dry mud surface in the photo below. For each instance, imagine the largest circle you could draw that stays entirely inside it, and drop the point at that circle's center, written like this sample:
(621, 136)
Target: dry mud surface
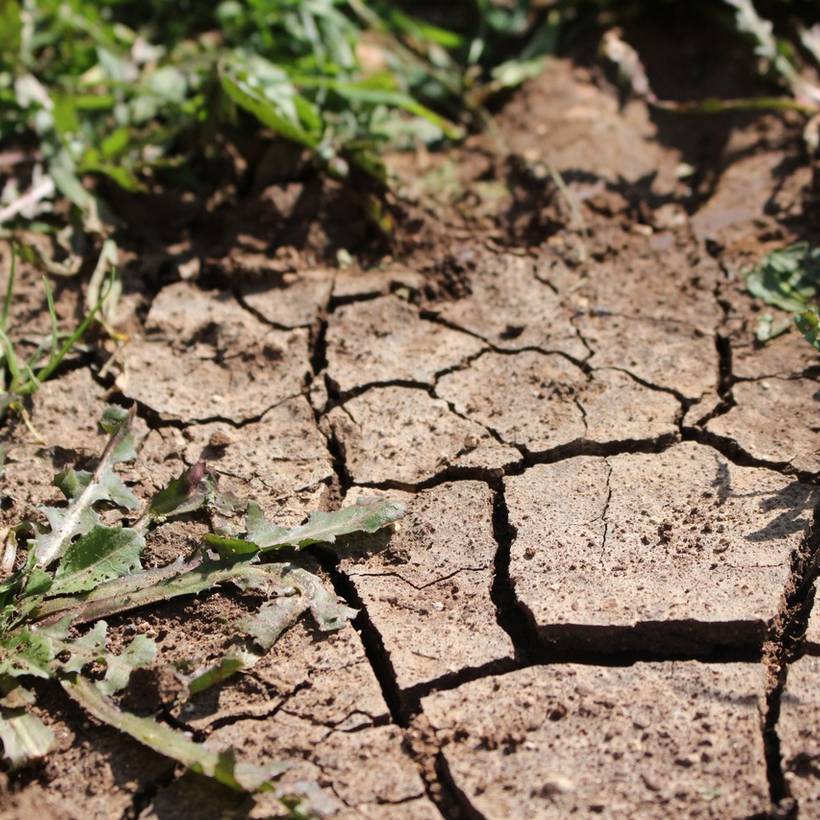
(594, 604)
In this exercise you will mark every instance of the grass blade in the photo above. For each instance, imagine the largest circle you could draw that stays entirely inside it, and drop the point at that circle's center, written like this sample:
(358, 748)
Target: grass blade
(222, 766)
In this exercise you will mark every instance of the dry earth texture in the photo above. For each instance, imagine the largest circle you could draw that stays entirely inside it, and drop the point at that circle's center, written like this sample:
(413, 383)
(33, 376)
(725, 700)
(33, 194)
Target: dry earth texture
(593, 603)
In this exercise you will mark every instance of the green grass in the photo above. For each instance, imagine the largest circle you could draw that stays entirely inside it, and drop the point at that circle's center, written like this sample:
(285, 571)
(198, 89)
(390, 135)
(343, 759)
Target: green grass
(21, 375)
(77, 570)
(133, 92)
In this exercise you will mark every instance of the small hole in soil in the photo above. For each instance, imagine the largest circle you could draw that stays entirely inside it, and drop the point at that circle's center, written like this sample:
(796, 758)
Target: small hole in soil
(512, 332)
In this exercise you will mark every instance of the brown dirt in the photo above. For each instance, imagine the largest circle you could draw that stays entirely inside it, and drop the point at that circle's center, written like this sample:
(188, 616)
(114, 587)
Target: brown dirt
(608, 480)
(650, 740)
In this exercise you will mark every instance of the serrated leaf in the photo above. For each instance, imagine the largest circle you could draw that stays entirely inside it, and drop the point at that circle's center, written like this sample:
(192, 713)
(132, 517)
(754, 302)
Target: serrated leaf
(267, 92)
(116, 421)
(87, 648)
(220, 765)
(326, 527)
(139, 653)
(25, 737)
(91, 648)
(112, 488)
(99, 556)
(150, 586)
(328, 612)
(266, 624)
(260, 531)
(79, 517)
(28, 652)
(321, 527)
(65, 525)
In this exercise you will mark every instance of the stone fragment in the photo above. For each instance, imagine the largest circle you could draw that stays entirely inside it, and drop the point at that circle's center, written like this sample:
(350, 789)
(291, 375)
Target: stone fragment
(799, 731)
(382, 340)
(543, 401)
(684, 550)
(426, 586)
(204, 357)
(402, 435)
(650, 740)
(775, 420)
(509, 307)
(295, 301)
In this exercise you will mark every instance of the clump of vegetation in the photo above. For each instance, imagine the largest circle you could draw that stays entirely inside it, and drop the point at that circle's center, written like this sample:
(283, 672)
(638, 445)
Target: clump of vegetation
(789, 279)
(78, 570)
(21, 375)
(132, 92)
(777, 59)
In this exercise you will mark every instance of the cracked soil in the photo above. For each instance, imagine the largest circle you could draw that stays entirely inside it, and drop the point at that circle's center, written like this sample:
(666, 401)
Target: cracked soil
(596, 602)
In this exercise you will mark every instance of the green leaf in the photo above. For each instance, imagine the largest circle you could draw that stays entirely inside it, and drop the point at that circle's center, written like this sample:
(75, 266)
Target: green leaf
(29, 652)
(367, 92)
(101, 555)
(111, 487)
(272, 619)
(767, 328)
(265, 626)
(11, 26)
(220, 765)
(809, 325)
(115, 143)
(515, 72)
(139, 653)
(788, 278)
(265, 91)
(322, 527)
(91, 648)
(86, 649)
(25, 737)
(150, 586)
(325, 607)
(38, 583)
(182, 495)
(225, 668)
(168, 83)
(230, 547)
(79, 517)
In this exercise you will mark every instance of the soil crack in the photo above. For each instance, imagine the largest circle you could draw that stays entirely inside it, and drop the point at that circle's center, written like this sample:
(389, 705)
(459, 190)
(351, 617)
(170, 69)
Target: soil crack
(730, 449)
(786, 642)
